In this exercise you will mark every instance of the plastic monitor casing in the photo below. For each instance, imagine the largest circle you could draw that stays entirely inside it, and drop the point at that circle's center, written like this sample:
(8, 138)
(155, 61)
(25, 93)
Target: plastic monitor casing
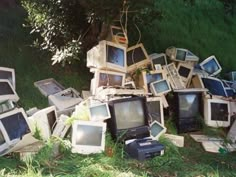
(158, 59)
(97, 57)
(131, 53)
(97, 116)
(65, 99)
(160, 92)
(208, 60)
(8, 73)
(10, 96)
(61, 127)
(208, 113)
(156, 130)
(87, 149)
(106, 77)
(10, 144)
(39, 121)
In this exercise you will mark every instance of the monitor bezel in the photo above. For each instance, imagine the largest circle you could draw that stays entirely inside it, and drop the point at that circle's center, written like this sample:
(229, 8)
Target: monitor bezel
(141, 63)
(99, 119)
(39, 121)
(143, 79)
(115, 131)
(154, 92)
(87, 149)
(97, 76)
(155, 56)
(12, 97)
(10, 143)
(153, 99)
(207, 113)
(206, 61)
(13, 75)
(97, 56)
(163, 131)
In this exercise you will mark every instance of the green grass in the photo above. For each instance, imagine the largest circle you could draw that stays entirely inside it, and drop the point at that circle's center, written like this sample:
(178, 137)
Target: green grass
(203, 29)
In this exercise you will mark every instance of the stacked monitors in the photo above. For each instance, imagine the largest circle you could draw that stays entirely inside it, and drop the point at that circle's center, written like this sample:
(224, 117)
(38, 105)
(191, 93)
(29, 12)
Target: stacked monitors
(181, 55)
(9, 74)
(7, 92)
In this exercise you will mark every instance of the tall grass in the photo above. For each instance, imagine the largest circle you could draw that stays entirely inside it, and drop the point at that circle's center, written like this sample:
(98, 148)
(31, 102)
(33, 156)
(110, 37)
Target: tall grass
(202, 28)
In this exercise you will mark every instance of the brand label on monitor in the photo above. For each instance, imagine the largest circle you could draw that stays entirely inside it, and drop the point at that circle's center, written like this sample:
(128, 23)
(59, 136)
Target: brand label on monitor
(145, 144)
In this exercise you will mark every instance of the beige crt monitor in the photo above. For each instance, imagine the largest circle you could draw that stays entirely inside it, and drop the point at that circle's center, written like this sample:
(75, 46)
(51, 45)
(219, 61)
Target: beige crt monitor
(137, 57)
(107, 55)
(9, 74)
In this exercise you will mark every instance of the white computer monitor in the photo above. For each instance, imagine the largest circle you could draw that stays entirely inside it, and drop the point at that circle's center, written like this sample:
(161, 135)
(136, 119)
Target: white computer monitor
(130, 85)
(118, 35)
(65, 99)
(137, 57)
(9, 74)
(107, 55)
(155, 109)
(148, 77)
(14, 126)
(180, 54)
(6, 106)
(156, 130)
(216, 112)
(158, 59)
(7, 92)
(44, 121)
(108, 79)
(160, 87)
(99, 112)
(211, 66)
(88, 137)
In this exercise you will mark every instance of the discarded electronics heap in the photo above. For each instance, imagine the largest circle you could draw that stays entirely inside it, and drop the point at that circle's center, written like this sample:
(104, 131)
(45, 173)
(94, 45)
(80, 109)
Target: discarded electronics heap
(127, 96)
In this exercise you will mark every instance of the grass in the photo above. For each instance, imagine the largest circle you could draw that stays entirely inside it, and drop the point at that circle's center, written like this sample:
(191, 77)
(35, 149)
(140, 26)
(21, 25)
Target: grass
(203, 29)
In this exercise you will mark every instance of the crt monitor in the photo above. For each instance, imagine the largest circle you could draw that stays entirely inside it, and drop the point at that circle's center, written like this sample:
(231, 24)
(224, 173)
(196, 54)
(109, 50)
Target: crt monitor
(45, 121)
(158, 59)
(211, 66)
(13, 127)
(129, 118)
(149, 77)
(9, 74)
(160, 87)
(137, 57)
(107, 55)
(216, 112)
(99, 112)
(88, 137)
(7, 92)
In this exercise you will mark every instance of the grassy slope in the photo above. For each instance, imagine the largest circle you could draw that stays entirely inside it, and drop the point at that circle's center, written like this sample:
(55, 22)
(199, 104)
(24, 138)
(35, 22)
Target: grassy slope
(32, 65)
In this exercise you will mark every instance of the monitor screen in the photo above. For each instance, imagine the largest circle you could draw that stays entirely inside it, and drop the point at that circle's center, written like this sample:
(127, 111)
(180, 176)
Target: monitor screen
(153, 77)
(161, 86)
(6, 75)
(180, 55)
(154, 110)
(214, 86)
(15, 125)
(211, 66)
(51, 120)
(5, 89)
(219, 112)
(183, 71)
(2, 139)
(156, 129)
(99, 112)
(188, 105)
(161, 60)
(88, 135)
(129, 114)
(106, 79)
(136, 55)
(115, 55)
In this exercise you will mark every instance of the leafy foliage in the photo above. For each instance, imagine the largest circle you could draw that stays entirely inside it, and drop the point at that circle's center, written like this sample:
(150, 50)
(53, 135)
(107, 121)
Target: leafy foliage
(70, 28)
